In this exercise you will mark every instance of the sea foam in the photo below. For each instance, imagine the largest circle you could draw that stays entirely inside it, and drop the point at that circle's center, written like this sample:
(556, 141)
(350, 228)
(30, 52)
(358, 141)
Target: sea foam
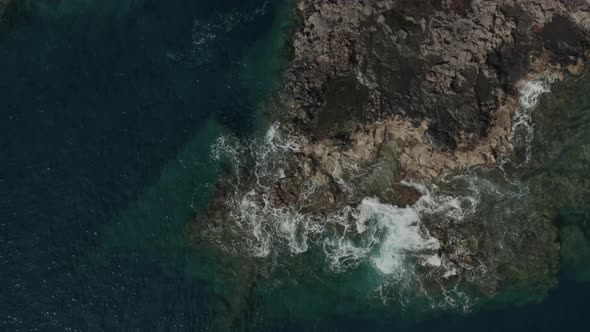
(522, 125)
(393, 240)
(397, 232)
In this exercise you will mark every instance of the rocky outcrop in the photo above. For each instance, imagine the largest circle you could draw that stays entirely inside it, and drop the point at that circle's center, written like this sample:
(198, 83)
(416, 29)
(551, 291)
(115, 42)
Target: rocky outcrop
(450, 64)
(436, 82)
(382, 92)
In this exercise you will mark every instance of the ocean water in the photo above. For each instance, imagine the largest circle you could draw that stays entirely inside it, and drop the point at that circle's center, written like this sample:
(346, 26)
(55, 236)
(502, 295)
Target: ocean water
(110, 111)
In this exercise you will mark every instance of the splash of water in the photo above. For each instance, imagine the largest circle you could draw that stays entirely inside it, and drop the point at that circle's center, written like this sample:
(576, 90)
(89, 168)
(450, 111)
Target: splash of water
(401, 235)
(393, 240)
(523, 130)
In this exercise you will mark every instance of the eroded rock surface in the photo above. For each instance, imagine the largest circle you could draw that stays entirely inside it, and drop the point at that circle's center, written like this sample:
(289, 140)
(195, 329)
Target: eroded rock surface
(450, 64)
(384, 93)
(443, 80)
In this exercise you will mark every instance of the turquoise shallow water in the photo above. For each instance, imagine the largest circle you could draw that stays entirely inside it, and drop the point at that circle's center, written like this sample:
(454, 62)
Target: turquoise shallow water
(109, 110)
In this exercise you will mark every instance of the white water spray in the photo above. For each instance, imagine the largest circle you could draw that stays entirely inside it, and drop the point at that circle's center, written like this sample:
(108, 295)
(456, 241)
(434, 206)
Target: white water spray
(394, 240)
(522, 125)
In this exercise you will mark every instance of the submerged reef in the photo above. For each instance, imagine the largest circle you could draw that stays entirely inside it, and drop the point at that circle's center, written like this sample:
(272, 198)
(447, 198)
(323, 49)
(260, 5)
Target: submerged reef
(404, 129)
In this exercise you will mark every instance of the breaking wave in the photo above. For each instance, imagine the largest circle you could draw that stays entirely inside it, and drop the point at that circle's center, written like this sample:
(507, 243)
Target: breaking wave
(394, 241)
(523, 130)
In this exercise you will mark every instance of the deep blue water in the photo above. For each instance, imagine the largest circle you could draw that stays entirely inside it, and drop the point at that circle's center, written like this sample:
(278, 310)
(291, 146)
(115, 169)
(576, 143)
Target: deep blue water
(108, 111)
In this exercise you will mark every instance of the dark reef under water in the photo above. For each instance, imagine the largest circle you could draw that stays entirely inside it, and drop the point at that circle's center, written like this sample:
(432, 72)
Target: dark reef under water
(109, 110)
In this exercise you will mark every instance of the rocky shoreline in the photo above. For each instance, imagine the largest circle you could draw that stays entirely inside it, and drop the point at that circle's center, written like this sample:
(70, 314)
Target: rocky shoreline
(385, 94)
(451, 70)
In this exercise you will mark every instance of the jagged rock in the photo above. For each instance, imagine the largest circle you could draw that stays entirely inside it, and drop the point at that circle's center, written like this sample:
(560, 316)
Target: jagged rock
(434, 81)
(441, 80)
(422, 59)
(380, 92)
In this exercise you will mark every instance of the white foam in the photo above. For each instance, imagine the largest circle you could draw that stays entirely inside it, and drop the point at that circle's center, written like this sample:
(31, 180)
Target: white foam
(394, 240)
(396, 230)
(343, 253)
(532, 91)
(450, 272)
(522, 125)
(435, 203)
(433, 260)
(381, 233)
(264, 227)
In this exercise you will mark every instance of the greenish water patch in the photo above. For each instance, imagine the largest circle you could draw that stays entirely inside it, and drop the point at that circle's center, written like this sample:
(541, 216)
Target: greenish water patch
(156, 220)
(560, 173)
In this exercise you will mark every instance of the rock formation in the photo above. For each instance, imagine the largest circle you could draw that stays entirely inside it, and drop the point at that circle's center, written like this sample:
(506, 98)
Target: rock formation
(385, 93)
(450, 69)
